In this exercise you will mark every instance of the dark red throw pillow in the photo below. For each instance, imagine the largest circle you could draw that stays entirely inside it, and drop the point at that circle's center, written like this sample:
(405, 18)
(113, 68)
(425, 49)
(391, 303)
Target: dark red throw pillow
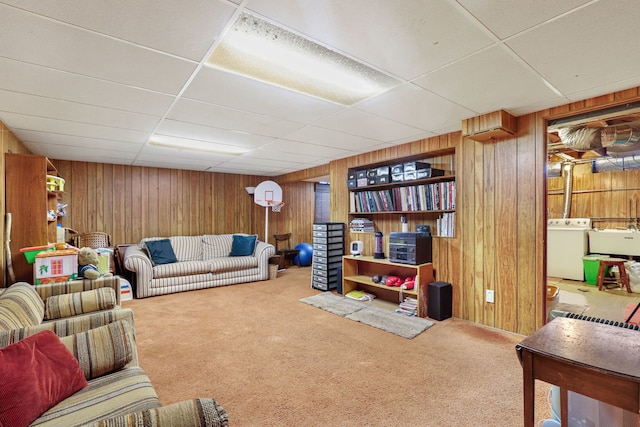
(36, 374)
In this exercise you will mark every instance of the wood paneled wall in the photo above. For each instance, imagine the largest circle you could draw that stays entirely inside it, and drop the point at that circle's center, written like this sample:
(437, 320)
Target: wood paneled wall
(132, 202)
(611, 199)
(500, 215)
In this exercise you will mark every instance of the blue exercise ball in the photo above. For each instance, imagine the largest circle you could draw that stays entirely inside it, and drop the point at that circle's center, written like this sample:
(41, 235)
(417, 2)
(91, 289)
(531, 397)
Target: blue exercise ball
(306, 254)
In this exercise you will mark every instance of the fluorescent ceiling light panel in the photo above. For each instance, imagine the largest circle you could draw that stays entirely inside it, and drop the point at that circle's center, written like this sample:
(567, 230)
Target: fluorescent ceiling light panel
(196, 145)
(263, 51)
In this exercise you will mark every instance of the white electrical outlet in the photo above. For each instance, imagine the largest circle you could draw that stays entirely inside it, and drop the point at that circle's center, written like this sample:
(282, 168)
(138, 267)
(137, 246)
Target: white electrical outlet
(490, 295)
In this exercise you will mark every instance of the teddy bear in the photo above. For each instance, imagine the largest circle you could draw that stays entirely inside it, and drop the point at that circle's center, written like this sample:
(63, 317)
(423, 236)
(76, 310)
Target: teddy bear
(88, 264)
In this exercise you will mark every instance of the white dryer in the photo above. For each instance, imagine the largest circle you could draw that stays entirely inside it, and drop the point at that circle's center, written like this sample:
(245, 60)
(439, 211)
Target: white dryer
(567, 244)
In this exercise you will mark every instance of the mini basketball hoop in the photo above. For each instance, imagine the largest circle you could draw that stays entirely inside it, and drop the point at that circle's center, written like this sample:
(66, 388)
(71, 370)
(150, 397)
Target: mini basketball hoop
(275, 207)
(268, 194)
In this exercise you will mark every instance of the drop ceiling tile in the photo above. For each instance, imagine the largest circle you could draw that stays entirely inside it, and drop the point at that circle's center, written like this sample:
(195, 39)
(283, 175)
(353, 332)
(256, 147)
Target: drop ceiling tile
(204, 133)
(604, 89)
(17, 122)
(506, 78)
(366, 125)
(76, 141)
(241, 93)
(32, 105)
(188, 28)
(64, 47)
(417, 107)
(164, 154)
(190, 111)
(168, 163)
(81, 154)
(576, 52)
(46, 82)
(285, 147)
(508, 17)
(406, 38)
(329, 138)
(268, 152)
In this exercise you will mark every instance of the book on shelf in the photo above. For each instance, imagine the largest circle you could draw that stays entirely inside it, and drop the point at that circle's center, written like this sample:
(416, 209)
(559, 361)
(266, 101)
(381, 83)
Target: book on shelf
(408, 198)
(361, 225)
(360, 296)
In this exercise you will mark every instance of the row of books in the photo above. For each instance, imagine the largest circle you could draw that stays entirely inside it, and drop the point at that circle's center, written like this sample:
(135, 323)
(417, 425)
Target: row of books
(424, 197)
(409, 307)
(446, 224)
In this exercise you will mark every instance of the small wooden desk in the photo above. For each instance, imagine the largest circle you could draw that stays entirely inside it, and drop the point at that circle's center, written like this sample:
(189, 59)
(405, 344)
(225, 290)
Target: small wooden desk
(595, 360)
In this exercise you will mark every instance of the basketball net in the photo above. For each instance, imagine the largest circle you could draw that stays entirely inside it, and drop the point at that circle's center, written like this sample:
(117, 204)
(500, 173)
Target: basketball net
(275, 207)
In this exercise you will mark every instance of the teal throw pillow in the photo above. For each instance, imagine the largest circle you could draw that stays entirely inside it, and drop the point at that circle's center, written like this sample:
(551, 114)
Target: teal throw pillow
(243, 245)
(160, 251)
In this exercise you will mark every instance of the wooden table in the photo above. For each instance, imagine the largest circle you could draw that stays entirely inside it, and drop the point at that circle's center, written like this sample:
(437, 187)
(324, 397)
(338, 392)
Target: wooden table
(593, 359)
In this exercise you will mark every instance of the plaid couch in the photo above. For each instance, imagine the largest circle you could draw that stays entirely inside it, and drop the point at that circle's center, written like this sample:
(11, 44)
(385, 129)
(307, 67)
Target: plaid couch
(203, 262)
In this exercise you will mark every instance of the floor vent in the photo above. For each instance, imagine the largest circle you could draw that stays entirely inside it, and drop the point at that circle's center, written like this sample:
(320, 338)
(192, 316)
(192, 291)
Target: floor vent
(603, 321)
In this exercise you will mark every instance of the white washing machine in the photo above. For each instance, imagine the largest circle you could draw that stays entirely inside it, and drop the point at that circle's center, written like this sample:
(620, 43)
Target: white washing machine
(567, 244)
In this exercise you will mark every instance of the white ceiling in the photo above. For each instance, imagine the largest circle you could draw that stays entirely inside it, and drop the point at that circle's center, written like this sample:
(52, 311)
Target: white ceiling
(93, 81)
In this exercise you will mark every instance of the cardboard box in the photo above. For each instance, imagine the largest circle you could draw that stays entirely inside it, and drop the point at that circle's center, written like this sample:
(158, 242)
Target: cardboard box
(352, 183)
(55, 266)
(382, 179)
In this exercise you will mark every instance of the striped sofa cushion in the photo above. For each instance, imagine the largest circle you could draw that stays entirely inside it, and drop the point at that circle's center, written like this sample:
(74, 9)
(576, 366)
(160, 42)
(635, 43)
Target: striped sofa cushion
(75, 303)
(186, 268)
(216, 245)
(187, 248)
(102, 350)
(79, 285)
(232, 263)
(193, 413)
(20, 306)
(69, 326)
(119, 393)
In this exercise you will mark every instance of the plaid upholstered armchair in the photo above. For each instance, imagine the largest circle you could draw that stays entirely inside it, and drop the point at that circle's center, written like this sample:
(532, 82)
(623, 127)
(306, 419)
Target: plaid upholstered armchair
(64, 308)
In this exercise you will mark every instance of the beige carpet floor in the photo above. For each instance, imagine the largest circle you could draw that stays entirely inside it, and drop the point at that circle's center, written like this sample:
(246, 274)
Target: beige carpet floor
(271, 360)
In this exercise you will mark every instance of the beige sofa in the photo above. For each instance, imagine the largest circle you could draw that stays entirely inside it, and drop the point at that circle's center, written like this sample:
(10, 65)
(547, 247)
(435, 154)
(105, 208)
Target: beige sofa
(202, 262)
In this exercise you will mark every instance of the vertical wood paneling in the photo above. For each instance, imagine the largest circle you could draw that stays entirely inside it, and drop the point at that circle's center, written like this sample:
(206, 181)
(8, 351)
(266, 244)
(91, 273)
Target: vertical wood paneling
(466, 214)
(527, 188)
(506, 230)
(488, 242)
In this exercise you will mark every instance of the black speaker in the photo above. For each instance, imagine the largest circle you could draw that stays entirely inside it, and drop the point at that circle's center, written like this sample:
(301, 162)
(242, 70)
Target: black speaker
(339, 278)
(440, 300)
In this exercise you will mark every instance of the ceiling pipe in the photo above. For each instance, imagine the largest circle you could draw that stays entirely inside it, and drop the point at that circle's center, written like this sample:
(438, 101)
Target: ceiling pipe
(567, 169)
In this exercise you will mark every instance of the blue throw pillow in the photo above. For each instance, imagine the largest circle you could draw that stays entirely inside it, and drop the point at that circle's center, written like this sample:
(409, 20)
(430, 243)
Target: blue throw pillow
(160, 251)
(243, 245)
